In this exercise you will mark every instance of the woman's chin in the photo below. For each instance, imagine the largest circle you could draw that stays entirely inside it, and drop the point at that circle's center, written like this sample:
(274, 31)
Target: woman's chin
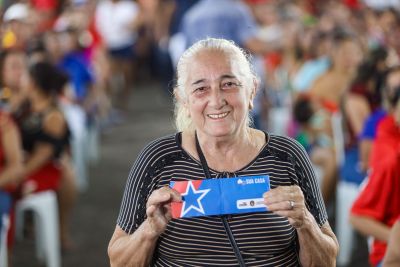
(219, 132)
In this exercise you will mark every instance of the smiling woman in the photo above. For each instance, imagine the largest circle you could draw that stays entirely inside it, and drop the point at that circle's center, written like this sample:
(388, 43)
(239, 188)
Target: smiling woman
(230, 54)
(214, 94)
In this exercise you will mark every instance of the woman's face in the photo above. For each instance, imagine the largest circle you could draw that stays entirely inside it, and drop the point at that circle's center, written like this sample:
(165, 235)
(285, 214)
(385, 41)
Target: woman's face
(13, 69)
(348, 55)
(217, 94)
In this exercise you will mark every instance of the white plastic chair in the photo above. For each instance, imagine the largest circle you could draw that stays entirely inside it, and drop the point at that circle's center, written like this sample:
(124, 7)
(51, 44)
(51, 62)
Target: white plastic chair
(346, 194)
(46, 221)
(278, 120)
(92, 144)
(3, 241)
(76, 119)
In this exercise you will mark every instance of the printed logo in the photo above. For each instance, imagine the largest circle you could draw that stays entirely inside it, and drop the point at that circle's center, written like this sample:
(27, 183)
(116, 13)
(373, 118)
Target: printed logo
(250, 203)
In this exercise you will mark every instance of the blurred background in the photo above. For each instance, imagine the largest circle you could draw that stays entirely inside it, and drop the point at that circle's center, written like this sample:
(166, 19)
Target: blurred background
(86, 84)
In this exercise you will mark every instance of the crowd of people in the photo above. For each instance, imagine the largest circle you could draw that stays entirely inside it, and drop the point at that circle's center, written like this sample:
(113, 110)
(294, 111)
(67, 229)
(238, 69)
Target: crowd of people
(327, 75)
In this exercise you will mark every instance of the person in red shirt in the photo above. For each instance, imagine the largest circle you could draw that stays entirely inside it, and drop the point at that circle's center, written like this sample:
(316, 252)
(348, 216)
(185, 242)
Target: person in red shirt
(378, 206)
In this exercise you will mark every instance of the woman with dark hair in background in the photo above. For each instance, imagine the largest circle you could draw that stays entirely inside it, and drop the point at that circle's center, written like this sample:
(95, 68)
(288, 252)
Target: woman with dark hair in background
(43, 127)
(361, 100)
(45, 137)
(346, 55)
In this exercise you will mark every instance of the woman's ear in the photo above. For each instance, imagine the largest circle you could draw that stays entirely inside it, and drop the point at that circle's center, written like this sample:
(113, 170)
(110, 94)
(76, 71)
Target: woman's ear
(182, 100)
(254, 87)
(251, 105)
(178, 96)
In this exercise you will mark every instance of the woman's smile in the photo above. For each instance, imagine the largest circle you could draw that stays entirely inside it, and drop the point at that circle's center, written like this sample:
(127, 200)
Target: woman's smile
(218, 115)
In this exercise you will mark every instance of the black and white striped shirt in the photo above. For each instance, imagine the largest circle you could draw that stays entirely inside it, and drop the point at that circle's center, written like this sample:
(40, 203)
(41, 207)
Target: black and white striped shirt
(264, 239)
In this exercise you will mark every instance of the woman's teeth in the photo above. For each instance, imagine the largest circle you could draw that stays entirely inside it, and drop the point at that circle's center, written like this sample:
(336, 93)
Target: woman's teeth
(218, 116)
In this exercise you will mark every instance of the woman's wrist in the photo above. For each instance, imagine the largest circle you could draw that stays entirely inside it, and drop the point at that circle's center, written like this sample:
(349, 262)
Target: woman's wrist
(308, 223)
(148, 231)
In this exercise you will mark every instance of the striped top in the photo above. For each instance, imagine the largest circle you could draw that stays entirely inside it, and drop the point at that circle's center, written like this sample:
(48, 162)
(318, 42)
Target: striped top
(264, 239)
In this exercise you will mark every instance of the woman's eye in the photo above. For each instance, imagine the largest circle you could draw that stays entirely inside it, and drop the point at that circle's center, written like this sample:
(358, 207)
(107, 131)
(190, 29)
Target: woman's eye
(200, 89)
(228, 85)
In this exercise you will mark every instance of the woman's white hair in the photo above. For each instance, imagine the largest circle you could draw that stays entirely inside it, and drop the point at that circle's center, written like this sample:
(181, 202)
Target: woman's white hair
(183, 121)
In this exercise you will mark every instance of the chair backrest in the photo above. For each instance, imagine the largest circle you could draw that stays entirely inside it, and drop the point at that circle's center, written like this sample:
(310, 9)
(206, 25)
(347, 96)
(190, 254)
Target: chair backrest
(5, 224)
(45, 208)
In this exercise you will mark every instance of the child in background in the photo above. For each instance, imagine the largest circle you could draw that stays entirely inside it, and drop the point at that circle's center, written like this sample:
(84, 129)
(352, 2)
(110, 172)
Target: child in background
(317, 144)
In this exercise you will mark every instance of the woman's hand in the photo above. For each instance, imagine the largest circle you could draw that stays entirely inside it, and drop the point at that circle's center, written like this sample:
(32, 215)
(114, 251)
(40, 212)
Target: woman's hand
(158, 209)
(137, 249)
(287, 201)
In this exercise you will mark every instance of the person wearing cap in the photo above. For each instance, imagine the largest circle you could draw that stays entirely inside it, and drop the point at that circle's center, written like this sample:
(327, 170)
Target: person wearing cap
(18, 27)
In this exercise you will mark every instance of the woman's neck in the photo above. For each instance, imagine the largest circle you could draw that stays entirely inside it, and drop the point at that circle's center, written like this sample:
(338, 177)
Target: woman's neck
(40, 102)
(344, 72)
(231, 153)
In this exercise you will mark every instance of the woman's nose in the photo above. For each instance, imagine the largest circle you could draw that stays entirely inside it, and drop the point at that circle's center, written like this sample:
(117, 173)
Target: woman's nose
(217, 98)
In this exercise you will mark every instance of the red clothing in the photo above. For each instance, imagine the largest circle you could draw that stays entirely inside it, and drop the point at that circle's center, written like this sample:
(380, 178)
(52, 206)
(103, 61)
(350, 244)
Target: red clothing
(44, 4)
(46, 11)
(46, 178)
(353, 4)
(329, 106)
(380, 199)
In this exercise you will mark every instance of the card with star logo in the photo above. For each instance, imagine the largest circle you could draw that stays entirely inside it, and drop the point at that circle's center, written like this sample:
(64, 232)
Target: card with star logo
(220, 196)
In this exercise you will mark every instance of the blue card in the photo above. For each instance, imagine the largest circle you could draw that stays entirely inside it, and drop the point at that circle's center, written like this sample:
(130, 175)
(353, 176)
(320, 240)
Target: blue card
(220, 196)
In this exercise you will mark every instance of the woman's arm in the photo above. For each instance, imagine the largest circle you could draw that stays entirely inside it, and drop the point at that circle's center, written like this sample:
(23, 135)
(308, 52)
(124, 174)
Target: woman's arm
(357, 111)
(318, 246)
(365, 146)
(392, 256)
(369, 226)
(137, 249)
(54, 125)
(132, 250)
(11, 145)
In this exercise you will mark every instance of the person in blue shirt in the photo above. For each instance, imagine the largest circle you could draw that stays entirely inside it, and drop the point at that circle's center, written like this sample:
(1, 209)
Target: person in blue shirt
(209, 18)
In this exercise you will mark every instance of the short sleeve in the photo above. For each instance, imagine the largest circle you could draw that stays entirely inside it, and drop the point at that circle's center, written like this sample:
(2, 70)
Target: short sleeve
(371, 124)
(307, 181)
(376, 195)
(368, 131)
(139, 186)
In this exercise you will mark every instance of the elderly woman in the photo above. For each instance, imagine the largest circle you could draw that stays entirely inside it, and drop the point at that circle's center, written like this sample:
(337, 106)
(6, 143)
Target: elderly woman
(215, 92)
